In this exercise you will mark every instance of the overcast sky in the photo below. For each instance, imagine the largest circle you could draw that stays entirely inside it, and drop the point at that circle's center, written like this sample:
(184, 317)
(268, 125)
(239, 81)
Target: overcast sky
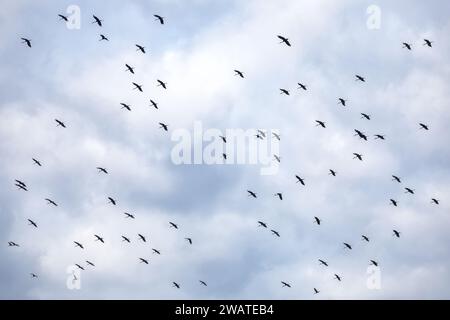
(69, 75)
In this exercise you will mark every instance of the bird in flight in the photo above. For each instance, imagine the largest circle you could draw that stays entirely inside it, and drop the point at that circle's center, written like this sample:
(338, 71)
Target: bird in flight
(409, 190)
(374, 263)
(301, 86)
(428, 43)
(423, 126)
(238, 73)
(143, 260)
(323, 262)
(188, 240)
(320, 123)
(251, 193)
(284, 40)
(128, 215)
(79, 267)
(396, 233)
(27, 41)
(332, 172)
(97, 21)
(103, 38)
(77, 244)
(100, 169)
(224, 139)
(395, 178)
(37, 162)
(159, 18)
(13, 244)
(277, 136)
(21, 185)
(365, 238)
(140, 48)
(176, 285)
(342, 101)
(162, 84)
(360, 134)
(49, 201)
(90, 263)
(111, 200)
(129, 68)
(126, 239)
(347, 246)
(279, 195)
(379, 136)
(203, 283)
(156, 251)
(359, 78)
(63, 17)
(142, 237)
(393, 202)
(173, 225)
(98, 238)
(32, 223)
(284, 91)
(435, 201)
(276, 233)
(137, 86)
(126, 106)
(317, 220)
(337, 277)
(163, 126)
(277, 158)
(407, 46)
(358, 156)
(301, 180)
(365, 116)
(60, 123)
(316, 291)
(154, 104)
(33, 275)
(262, 224)
(285, 284)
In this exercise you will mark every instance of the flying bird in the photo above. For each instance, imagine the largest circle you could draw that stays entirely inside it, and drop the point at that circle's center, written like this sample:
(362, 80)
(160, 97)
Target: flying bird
(32, 223)
(63, 17)
(37, 162)
(393, 202)
(100, 169)
(277, 158)
(332, 172)
(203, 283)
(277, 136)
(379, 136)
(49, 201)
(316, 291)
(173, 225)
(143, 260)
(98, 238)
(128, 215)
(126, 239)
(142, 237)
(224, 139)
(342, 101)
(359, 78)
(285, 284)
(374, 263)
(407, 45)
(111, 200)
(140, 48)
(396, 233)
(97, 21)
(126, 106)
(137, 86)
(79, 267)
(238, 73)
(428, 43)
(159, 18)
(129, 68)
(251, 193)
(279, 195)
(365, 238)
(188, 240)
(262, 224)
(423, 126)
(27, 41)
(154, 104)
(301, 86)
(337, 277)
(317, 220)
(163, 126)
(90, 263)
(409, 190)
(13, 244)
(20, 186)
(77, 244)
(358, 156)
(284, 91)
(276, 233)
(103, 37)
(33, 275)
(60, 123)
(176, 285)
(156, 251)
(284, 40)
(162, 84)
(347, 246)
(435, 201)
(323, 262)
(320, 123)
(365, 115)
(301, 180)
(396, 179)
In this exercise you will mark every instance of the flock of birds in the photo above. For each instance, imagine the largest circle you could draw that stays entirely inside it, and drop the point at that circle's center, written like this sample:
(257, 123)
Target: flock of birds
(260, 134)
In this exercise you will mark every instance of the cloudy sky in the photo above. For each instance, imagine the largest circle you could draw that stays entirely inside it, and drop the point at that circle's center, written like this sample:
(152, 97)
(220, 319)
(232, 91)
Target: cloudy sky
(69, 75)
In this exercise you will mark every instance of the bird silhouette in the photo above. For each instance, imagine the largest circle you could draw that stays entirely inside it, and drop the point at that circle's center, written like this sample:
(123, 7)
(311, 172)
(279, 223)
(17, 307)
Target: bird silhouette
(284, 91)
(37, 162)
(347, 246)
(176, 285)
(137, 86)
(128, 215)
(365, 116)
(396, 233)
(112, 201)
(284, 40)
(277, 136)
(126, 106)
(435, 201)
(224, 139)
(276, 233)
(90, 263)
(337, 277)
(342, 101)
(379, 136)
(32, 223)
(13, 244)
(317, 220)
(22, 187)
(374, 263)
(140, 48)
(129, 68)
(163, 126)
(423, 126)
(63, 17)
(98, 238)
(126, 239)
(60, 123)
(154, 104)
(277, 158)
(143, 260)
(188, 240)
(97, 20)
(162, 84)
(279, 195)
(262, 224)
(393, 202)
(142, 237)
(156, 251)
(301, 180)
(251, 193)
(409, 190)
(395, 178)
(427, 43)
(407, 46)
(79, 267)
(173, 225)
(49, 201)
(323, 262)
(360, 134)
(332, 172)
(33, 275)
(77, 244)
(301, 86)
(238, 73)
(316, 291)
(365, 238)
(100, 169)
(159, 18)
(285, 284)
(320, 123)
(27, 41)
(103, 38)
(203, 283)
(357, 156)
(359, 78)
